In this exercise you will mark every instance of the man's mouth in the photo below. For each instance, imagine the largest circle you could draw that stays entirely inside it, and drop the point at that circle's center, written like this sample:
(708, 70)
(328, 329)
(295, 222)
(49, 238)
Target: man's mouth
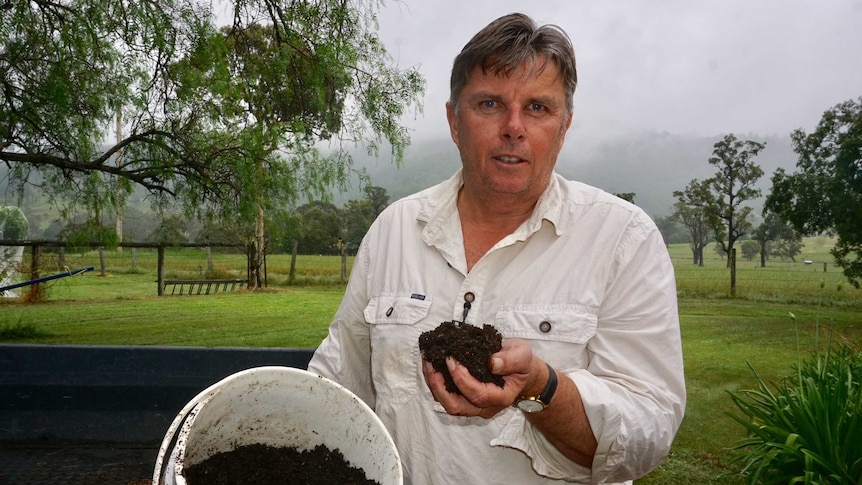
(507, 159)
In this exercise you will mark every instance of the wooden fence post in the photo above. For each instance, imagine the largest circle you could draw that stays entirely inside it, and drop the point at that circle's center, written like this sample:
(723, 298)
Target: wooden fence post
(35, 293)
(102, 261)
(161, 270)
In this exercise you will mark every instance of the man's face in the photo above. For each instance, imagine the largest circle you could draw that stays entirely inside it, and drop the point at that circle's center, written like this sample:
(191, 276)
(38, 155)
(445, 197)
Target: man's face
(510, 130)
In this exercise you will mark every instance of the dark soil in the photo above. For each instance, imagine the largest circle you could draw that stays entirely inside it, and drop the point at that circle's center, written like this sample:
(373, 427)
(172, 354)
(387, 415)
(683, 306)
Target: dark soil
(268, 465)
(470, 345)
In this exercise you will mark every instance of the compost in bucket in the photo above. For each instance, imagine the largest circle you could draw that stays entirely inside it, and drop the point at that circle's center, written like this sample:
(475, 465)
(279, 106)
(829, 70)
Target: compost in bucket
(280, 410)
(269, 465)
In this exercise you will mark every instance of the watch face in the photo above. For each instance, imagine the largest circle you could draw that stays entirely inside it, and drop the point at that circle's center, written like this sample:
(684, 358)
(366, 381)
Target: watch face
(530, 405)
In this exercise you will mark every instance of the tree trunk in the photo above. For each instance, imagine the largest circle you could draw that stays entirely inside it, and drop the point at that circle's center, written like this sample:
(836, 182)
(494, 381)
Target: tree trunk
(35, 293)
(343, 262)
(733, 273)
(293, 260)
(258, 246)
(119, 188)
(161, 270)
(102, 266)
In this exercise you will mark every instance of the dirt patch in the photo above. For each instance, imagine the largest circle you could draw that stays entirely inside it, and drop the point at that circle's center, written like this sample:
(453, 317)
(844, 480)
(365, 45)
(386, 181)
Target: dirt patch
(468, 344)
(268, 465)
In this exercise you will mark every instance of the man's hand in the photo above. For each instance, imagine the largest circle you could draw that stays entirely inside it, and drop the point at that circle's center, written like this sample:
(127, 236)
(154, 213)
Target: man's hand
(522, 372)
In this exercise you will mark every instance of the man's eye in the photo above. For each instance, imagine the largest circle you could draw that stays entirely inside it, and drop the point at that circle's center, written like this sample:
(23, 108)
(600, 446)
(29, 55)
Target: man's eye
(537, 108)
(489, 104)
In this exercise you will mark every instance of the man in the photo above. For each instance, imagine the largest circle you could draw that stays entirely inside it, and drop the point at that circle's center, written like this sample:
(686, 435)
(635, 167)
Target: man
(577, 281)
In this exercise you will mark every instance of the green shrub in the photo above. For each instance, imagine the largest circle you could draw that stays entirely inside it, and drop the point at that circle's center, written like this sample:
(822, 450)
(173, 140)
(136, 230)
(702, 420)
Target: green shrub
(20, 331)
(807, 430)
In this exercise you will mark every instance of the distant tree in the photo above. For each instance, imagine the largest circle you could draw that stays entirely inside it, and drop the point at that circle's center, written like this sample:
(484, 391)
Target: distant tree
(787, 247)
(627, 196)
(80, 235)
(321, 228)
(138, 223)
(53, 230)
(720, 250)
(771, 229)
(357, 216)
(222, 232)
(378, 198)
(672, 231)
(173, 229)
(750, 249)
(825, 194)
(732, 185)
(694, 210)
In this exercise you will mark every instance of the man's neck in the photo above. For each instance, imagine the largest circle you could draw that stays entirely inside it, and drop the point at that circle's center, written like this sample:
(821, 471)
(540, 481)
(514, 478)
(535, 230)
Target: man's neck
(484, 223)
(502, 211)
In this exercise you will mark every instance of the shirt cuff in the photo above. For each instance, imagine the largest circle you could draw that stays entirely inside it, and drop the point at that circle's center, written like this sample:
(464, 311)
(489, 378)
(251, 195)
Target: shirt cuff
(605, 421)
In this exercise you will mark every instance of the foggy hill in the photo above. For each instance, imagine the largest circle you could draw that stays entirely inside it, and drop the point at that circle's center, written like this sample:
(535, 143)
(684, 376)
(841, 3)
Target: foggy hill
(651, 165)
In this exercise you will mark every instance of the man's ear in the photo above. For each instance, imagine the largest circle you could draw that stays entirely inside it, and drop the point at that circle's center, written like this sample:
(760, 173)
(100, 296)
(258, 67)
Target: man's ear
(452, 117)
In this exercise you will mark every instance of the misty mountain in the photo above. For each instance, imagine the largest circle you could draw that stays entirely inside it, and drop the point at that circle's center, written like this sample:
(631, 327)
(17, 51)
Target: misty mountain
(651, 165)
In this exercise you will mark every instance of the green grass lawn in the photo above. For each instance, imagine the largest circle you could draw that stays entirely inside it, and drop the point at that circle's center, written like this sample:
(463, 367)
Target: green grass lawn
(722, 337)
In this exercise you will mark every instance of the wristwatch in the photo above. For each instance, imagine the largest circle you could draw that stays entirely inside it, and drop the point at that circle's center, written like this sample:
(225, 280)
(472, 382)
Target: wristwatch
(534, 404)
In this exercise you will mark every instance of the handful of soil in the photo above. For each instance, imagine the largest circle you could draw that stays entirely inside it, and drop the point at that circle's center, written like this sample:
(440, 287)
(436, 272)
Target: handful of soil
(269, 465)
(470, 345)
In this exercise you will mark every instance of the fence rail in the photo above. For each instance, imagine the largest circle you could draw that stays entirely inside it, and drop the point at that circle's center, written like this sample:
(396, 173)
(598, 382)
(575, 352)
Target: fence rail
(36, 251)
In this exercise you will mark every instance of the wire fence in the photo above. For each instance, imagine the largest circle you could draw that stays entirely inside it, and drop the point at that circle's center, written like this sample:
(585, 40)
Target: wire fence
(816, 281)
(804, 281)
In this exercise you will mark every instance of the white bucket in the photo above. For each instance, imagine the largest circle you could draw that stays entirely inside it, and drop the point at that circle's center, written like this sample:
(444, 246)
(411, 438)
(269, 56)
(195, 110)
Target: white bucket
(279, 407)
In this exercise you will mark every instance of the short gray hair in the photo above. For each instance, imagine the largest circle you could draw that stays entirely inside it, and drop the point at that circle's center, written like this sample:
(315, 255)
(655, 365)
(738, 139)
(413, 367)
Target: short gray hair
(506, 44)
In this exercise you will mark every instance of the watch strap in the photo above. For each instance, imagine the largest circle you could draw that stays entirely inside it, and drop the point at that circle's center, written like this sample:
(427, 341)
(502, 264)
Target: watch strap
(543, 399)
(550, 388)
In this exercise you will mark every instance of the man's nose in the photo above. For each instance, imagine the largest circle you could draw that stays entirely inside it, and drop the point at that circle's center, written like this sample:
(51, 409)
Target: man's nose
(513, 124)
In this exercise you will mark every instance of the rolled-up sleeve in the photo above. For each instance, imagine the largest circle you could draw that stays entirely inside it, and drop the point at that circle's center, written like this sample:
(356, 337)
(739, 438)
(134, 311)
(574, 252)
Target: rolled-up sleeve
(633, 387)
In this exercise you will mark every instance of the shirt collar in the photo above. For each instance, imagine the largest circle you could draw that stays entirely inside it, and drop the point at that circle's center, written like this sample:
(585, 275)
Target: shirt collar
(439, 209)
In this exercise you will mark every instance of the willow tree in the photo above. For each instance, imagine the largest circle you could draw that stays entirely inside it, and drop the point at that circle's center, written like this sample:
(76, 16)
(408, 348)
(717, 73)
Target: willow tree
(224, 121)
(284, 86)
(67, 69)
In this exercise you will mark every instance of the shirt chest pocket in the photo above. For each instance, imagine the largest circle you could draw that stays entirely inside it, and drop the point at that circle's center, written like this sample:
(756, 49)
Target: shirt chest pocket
(395, 357)
(399, 309)
(564, 323)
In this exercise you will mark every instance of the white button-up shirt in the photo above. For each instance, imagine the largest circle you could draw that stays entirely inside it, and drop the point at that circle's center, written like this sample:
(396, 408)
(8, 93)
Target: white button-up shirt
(586, 280)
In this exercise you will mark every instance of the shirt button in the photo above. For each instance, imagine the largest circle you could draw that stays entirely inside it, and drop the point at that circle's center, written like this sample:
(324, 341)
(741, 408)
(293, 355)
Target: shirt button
(545, 326)
(469, 297)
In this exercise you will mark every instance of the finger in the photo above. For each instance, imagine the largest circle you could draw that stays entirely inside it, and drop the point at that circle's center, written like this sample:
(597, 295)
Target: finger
(513, 358)
(483, 396)
(433, 379)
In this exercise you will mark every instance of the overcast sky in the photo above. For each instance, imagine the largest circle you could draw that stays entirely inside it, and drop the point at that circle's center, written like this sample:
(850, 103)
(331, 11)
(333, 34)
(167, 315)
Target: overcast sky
(700, 67)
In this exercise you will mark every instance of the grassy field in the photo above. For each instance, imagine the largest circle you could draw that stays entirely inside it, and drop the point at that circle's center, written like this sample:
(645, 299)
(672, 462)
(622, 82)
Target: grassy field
(782, 313)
